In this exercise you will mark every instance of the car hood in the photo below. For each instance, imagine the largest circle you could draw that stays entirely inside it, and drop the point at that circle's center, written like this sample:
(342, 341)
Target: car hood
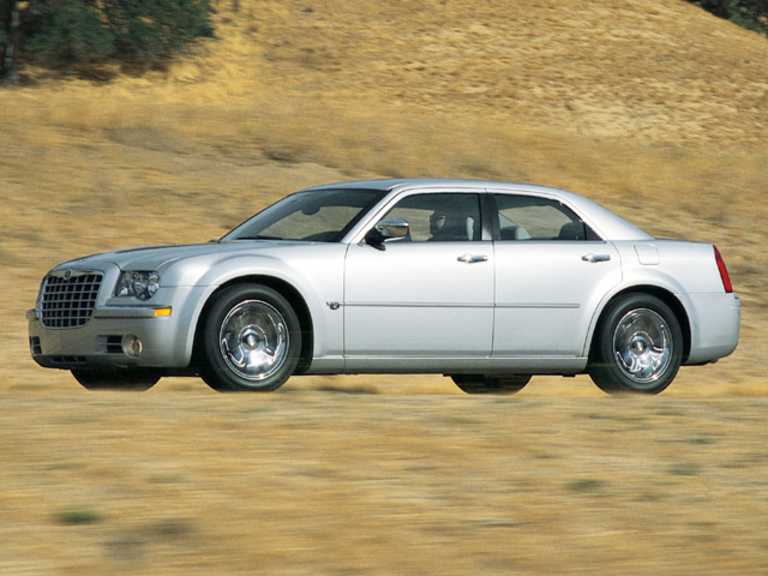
(159, 257)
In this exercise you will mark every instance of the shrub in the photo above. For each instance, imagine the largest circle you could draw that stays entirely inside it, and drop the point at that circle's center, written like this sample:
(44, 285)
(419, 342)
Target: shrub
(752, 14)
(585, 485)
(150, 31)
(72, 32)
(74, 516)
(144, 33)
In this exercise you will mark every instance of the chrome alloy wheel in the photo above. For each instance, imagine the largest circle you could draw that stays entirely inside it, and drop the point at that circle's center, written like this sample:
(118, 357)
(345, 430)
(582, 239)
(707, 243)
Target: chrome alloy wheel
(254, 340)
(643, 346)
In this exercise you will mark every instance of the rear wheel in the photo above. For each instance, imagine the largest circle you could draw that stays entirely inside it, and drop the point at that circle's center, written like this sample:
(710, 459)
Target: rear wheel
(251, 340)
(639, 346)
(483, 384)
(104, 379)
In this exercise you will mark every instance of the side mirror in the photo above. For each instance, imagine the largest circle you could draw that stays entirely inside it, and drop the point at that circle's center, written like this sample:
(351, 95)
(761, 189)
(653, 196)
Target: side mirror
(390, 229)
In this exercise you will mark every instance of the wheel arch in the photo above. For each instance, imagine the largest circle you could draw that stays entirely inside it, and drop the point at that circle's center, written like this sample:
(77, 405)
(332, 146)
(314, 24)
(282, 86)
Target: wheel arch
(287, 290)
(663, 294)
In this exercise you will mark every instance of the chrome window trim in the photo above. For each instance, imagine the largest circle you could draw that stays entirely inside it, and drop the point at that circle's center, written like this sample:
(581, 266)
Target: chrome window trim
(357, 234)
(554, 198)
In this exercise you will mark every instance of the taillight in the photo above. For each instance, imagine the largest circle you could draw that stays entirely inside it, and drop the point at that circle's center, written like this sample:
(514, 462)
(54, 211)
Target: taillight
(723, 271)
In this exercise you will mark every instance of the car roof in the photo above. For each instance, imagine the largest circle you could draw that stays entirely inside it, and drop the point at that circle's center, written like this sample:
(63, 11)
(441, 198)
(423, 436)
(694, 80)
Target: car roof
(388, 184)
(609, 225)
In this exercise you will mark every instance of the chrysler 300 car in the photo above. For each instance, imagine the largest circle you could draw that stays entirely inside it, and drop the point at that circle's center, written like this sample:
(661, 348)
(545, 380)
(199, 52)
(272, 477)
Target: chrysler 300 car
(486, 282)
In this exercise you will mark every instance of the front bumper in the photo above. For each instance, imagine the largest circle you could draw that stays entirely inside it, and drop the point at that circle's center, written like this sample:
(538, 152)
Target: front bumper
(165, 339)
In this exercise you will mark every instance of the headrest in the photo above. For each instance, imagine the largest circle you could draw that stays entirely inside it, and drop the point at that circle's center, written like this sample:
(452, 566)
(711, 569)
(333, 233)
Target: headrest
(572, 231)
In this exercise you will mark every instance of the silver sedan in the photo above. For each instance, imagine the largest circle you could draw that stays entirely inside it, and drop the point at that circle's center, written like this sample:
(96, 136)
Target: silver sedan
(489, 283)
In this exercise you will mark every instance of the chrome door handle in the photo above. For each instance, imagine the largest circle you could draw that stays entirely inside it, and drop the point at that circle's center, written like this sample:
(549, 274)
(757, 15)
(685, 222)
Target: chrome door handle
(596, 257)
(472, 258)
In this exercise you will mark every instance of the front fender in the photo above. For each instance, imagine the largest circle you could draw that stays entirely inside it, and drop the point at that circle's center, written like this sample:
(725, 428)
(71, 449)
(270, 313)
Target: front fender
(316, 279)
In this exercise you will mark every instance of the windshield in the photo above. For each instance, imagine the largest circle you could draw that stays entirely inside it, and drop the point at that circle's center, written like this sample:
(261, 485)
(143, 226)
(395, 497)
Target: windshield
(315, 215)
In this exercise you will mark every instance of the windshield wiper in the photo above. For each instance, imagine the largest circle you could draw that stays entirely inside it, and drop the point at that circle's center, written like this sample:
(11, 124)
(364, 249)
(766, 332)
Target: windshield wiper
(258, 237)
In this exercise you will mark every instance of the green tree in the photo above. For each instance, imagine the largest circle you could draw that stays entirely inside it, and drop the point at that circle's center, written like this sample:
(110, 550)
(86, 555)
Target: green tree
(140, 33)
(150, 31)
(9, 38)
(70, 31)
(752, 14)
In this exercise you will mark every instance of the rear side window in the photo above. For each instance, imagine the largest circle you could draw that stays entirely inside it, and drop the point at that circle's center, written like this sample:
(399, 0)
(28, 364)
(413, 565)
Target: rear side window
(533, 218)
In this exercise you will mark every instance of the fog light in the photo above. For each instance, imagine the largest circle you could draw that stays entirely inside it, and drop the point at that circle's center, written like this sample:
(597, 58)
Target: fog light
(132, 346)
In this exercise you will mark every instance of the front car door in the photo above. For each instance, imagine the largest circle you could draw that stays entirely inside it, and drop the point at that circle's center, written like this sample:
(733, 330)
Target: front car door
(551, 271)
(424, 302)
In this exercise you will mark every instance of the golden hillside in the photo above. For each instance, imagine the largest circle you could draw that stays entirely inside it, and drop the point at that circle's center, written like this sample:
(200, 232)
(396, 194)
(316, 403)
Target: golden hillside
(653, 107)
(656, 71)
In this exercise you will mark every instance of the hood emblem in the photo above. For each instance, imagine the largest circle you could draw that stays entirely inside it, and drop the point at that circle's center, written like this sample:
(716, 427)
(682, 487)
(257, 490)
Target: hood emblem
(67, 274)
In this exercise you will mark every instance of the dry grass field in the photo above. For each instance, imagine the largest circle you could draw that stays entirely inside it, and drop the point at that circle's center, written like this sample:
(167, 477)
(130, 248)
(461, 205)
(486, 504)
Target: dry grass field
(311, 483)
(656, 109)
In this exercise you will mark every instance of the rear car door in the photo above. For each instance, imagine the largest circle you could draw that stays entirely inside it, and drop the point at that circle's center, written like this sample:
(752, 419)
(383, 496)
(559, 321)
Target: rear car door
(551, 272)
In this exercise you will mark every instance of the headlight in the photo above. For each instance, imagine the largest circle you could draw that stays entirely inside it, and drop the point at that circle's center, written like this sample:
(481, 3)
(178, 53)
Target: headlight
(141, 285)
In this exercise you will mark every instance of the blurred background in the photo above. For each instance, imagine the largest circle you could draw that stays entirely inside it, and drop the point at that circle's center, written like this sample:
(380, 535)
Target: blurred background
(127, 123)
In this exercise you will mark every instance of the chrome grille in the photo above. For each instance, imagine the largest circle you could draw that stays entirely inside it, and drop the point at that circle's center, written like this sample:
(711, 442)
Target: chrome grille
(69, 299)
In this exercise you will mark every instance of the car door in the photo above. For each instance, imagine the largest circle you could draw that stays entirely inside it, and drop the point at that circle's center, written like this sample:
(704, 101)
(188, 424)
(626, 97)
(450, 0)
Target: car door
(551, 272)
(426, 296)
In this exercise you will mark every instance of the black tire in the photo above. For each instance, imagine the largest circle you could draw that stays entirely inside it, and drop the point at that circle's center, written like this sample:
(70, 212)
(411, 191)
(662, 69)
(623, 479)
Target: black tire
(605, 367)
(215, 370)
(136, 380)
(482, 384)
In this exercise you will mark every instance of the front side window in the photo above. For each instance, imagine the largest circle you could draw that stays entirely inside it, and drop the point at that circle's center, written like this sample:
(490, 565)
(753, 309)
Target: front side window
(534, 218)
(314, 215)
(439, 217)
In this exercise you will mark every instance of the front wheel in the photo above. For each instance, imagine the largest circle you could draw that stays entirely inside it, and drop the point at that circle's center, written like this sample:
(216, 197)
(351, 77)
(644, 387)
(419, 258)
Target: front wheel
(482, 384)
(251, 340)
(128, 379)
(638, 347)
